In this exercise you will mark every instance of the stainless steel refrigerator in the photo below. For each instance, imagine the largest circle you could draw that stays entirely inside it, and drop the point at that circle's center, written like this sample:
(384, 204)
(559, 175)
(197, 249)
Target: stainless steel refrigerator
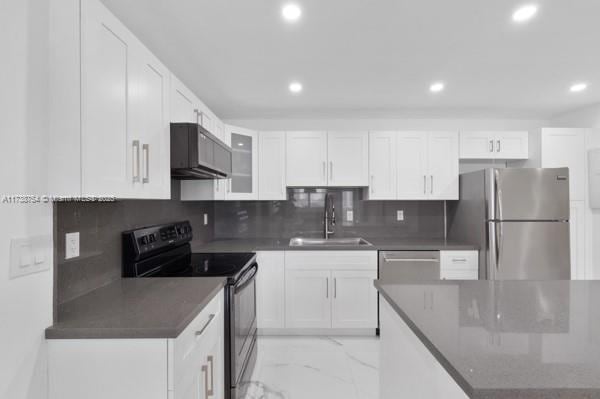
(520, 220)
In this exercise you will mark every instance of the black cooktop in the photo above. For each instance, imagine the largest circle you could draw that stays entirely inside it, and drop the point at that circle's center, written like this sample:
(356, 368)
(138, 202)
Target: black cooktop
(206, 265)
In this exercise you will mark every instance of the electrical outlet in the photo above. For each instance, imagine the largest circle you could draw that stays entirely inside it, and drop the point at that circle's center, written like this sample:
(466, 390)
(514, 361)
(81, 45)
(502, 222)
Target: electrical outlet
(71, 245)
(349, 215)
(400, 215)
(206, 219)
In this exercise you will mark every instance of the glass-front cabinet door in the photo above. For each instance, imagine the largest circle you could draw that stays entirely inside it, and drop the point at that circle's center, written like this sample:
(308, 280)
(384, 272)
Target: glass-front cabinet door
(243, 184)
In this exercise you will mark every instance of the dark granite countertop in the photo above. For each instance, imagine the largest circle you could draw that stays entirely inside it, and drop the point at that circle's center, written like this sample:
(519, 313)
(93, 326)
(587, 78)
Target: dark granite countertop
(136, 308)
(379, 244)
(509, 339)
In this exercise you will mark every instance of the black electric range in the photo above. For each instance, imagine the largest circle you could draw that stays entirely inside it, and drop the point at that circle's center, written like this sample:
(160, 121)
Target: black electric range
(165, 251)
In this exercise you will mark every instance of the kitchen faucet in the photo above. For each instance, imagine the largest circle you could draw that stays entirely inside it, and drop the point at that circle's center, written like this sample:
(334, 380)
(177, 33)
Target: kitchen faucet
(328, 220)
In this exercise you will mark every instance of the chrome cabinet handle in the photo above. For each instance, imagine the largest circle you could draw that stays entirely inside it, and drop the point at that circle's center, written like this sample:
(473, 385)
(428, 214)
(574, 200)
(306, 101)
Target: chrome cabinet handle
(498, 143)
(431, 184)
(491, 145)
(330, 170)
(205, 371)
(218, 183)
(199, 115)
(211, 391)
(429, 260)
(229, 185)
(327, 287)
(461, 260)
(335, 287)
(146, 151)
(372, 184)
(211, 317)
(136, 160)
(424, 184)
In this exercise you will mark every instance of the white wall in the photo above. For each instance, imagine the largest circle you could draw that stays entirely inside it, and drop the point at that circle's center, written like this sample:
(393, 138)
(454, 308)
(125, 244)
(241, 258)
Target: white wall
(583, 117)
(25, 303)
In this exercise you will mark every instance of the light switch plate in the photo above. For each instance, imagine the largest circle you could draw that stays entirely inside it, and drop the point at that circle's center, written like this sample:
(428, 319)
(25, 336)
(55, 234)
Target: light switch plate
(400, 215)
(71, 245)
(349, 215)
(206, 219)
(30, 255)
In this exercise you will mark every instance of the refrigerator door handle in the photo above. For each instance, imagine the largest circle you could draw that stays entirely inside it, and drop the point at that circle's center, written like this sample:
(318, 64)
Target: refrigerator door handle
(494, 251)
(498, 210)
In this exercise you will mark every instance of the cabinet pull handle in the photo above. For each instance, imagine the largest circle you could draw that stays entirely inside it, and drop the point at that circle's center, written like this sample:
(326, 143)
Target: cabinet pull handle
(431, 184)
(335, 287)
(372, 185)
(424, 184)
(218, 184)
(428, 260)
(136, 160)
(211, 317)
(327, 287)
(491, 145)
(459, 260)
(324, 170)
(211, 391)
(205, 371)
(498, 143)
(146, 150)
(330, 170)
(229, 185)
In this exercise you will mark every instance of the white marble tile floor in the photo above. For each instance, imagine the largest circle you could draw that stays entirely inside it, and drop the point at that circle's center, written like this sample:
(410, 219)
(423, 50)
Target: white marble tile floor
(316, 368)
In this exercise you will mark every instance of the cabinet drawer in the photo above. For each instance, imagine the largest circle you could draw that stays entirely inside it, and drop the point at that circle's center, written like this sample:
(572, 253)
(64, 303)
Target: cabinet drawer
(459, 274)
(459, 260)
(331, 260)
(187, 351)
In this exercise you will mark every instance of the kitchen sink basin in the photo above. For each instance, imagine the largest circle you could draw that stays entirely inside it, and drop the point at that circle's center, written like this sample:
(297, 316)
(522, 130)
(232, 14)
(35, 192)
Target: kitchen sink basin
(330, 242)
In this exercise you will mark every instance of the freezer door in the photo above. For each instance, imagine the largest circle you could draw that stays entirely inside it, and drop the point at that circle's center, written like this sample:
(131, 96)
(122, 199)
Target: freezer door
(529, 251)
(528, 194)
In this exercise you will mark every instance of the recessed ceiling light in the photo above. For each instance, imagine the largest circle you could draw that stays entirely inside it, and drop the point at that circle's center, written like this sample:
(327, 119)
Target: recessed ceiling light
(295, 87)
(578, 87)
(437, 87)
(525, 13)
(291, 12)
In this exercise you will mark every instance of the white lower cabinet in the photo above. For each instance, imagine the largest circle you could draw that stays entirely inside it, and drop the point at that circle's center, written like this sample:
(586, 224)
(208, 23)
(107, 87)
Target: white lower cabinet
(270, 289)
(459, 265)
(190, 366)
(330, 289)
(354, 303)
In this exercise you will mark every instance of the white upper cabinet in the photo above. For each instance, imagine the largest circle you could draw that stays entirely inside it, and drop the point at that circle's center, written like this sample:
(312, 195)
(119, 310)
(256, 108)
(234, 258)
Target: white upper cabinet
(443, 169)
(348, 157)
(110, 154)
(306, 159)
(494, 145)
(382, 166)
(271, 166)
(183, 103)
(318, 159)
(566, 148)
(243, 184)
(150, 122)
(412, 165)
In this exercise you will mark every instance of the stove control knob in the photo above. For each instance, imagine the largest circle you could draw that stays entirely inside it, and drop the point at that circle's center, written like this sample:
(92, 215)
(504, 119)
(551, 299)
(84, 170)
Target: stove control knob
(144, 240)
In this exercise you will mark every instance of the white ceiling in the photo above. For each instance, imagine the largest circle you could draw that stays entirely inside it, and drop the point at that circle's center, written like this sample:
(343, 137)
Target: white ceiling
(359, 58)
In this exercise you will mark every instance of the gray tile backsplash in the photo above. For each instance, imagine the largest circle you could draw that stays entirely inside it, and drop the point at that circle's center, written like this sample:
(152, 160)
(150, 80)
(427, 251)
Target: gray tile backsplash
(100, 226)
(302, 215)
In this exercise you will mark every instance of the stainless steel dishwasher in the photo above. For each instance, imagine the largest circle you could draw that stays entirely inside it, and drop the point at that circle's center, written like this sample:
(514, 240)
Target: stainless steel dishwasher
(407, 266)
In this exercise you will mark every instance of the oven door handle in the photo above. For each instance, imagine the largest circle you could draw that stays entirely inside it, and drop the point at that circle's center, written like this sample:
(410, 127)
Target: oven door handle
(246, 278)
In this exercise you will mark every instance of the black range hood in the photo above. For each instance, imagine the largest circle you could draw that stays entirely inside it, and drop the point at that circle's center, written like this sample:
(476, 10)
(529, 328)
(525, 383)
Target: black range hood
(196, 154)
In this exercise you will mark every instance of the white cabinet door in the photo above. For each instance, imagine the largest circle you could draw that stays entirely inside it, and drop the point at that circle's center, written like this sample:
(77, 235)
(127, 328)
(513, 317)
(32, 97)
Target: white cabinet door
(149, 120)
(566, 148)
(243, 184)
(110, 155)
(270, 290)
(512, 145)
(183, 102)
(412, 165)
(271, 166)
(348, 157)
(477, 145)
(306, 163)
(382, 165)
(307, 299)
(354, 302)
(443, 166)
(577, 229)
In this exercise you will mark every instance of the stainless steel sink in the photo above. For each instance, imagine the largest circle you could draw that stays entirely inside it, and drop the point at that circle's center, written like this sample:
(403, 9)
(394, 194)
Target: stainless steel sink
(330, 242)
